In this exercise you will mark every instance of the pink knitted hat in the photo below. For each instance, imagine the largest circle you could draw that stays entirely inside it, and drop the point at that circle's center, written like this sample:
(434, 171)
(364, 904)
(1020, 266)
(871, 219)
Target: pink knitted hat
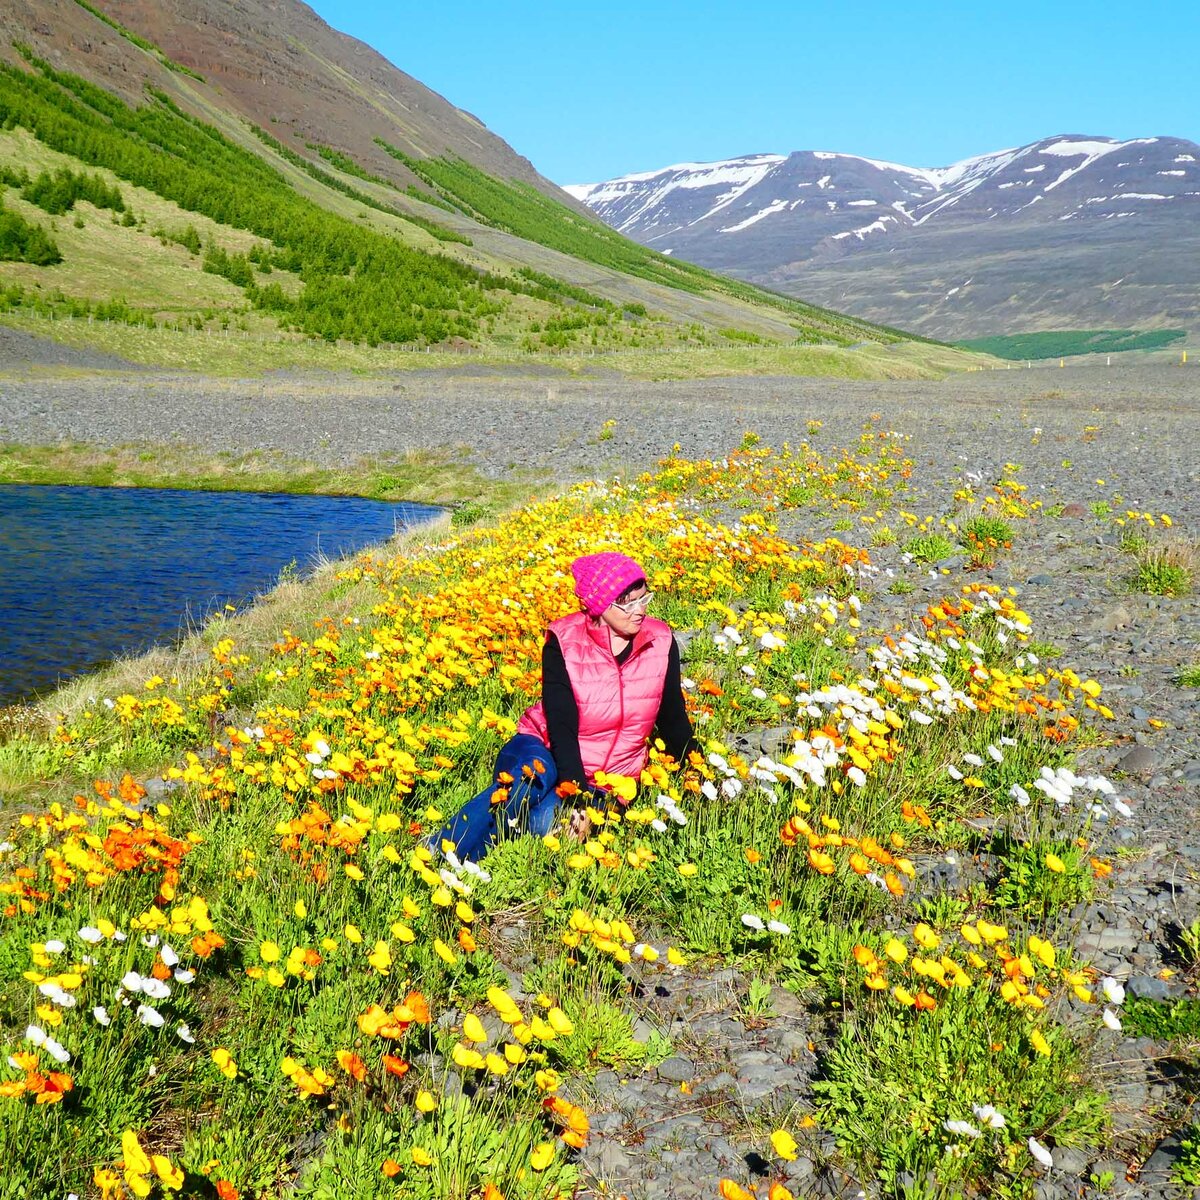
(601, 578)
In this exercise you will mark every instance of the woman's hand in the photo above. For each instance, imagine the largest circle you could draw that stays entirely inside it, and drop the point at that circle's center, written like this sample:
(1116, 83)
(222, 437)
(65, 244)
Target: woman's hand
(579, 824)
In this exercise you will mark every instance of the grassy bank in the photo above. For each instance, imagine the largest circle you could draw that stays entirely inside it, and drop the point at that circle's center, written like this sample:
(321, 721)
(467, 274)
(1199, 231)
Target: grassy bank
(425, 477)
(259, 349)
(300, 967)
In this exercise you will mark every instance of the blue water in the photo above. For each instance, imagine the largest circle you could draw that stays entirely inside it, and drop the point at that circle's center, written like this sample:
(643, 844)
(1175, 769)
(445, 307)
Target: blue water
(90, 573)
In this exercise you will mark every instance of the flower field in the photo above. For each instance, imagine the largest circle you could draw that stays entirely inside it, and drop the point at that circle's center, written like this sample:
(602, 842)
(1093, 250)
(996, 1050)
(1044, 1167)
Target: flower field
(254, 979)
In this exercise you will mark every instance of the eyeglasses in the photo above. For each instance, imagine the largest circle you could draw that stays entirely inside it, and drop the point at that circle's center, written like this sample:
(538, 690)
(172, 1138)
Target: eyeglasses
(631, 606)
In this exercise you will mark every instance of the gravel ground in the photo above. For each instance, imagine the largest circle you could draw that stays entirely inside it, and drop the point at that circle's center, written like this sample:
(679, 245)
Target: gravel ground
(672, 1131)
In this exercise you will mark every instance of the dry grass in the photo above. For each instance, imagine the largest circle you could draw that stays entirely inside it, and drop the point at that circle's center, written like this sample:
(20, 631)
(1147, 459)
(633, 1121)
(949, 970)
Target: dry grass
(103, 260)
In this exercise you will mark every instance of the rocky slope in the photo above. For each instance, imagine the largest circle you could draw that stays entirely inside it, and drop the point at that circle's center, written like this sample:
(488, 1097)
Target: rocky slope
(274, 63)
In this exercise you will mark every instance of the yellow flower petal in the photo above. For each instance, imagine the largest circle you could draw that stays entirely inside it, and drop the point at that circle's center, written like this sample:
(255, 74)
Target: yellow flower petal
(784, 1144)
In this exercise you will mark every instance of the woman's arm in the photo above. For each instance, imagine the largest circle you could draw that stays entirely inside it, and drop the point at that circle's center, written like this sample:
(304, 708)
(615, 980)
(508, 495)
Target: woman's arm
(562, 714)
(673, 723)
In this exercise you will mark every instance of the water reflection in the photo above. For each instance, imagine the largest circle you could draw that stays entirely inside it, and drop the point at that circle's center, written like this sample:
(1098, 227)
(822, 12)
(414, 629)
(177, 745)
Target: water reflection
(88, 573)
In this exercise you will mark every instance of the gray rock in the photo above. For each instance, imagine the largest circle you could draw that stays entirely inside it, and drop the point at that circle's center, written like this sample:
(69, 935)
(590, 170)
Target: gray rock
(677, 1070)
(610, 1160)
(1140, 760)
(1111, 621)
(1052, 1189)
(1157, 1168)
(607, 1124)
(1148, 987)
(1070, 1160)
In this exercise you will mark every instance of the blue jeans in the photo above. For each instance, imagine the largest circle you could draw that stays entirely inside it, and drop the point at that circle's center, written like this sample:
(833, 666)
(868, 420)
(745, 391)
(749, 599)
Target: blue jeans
(532, 801)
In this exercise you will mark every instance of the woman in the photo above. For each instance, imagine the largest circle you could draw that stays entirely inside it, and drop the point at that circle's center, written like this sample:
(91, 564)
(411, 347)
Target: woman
(610, 676)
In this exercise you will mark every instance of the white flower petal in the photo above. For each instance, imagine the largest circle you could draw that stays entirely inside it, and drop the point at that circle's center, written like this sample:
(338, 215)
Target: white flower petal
(150, 1016)
(56, 1050)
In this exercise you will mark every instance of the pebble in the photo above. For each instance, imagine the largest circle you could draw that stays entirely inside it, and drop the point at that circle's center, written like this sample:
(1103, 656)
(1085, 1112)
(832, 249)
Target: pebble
(677, 1070)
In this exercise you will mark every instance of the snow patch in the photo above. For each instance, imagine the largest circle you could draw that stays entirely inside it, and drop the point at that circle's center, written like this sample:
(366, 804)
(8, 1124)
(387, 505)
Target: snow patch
(1031, 170)
(879, 226)
(738, 174)
(824, 181)
(1183, 173)
(871, 203)
(1141, 196)
(1091, 149)
(774, 207)
(1184, 158)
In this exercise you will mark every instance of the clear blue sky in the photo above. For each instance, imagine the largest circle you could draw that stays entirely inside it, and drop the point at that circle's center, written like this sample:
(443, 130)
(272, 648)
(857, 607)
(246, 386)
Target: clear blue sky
(589, 91)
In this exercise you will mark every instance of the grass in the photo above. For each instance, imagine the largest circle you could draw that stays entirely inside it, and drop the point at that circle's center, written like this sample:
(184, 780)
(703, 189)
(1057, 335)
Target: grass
(103, 260)
(1189, 677)
(260, 347)
(1165, 568)
(1175, 1021)
(928, 548)
(428, 477)
(1064, 343)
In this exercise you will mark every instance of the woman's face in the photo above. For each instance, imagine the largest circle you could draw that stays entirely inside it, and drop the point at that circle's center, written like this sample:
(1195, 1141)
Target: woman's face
(624, 623)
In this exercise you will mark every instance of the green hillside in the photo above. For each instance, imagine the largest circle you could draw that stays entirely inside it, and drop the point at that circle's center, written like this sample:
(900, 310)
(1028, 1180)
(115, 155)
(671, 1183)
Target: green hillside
(148, 217)
(1063, 343)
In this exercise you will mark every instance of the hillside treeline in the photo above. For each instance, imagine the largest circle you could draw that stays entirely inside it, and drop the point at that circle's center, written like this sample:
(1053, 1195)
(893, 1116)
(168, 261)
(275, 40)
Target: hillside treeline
(22, 241)
(57, 192)
(358, 284)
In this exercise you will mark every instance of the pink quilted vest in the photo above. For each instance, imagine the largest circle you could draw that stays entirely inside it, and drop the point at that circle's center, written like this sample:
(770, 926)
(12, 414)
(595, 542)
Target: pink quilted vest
(617, 704)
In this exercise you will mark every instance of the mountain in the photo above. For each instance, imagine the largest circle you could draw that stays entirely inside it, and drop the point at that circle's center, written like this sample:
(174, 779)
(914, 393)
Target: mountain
(273, 62)
(212, 166)
(1069, 231)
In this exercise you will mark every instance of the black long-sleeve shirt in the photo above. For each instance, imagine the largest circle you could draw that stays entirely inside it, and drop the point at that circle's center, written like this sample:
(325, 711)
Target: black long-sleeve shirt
(562, 711)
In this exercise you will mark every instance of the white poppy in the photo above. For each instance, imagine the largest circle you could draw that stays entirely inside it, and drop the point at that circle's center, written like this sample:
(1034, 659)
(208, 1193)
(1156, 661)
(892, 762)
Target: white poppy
(961, 1128)
(150, 1016)
(989, 1115)
(1040, 1153)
